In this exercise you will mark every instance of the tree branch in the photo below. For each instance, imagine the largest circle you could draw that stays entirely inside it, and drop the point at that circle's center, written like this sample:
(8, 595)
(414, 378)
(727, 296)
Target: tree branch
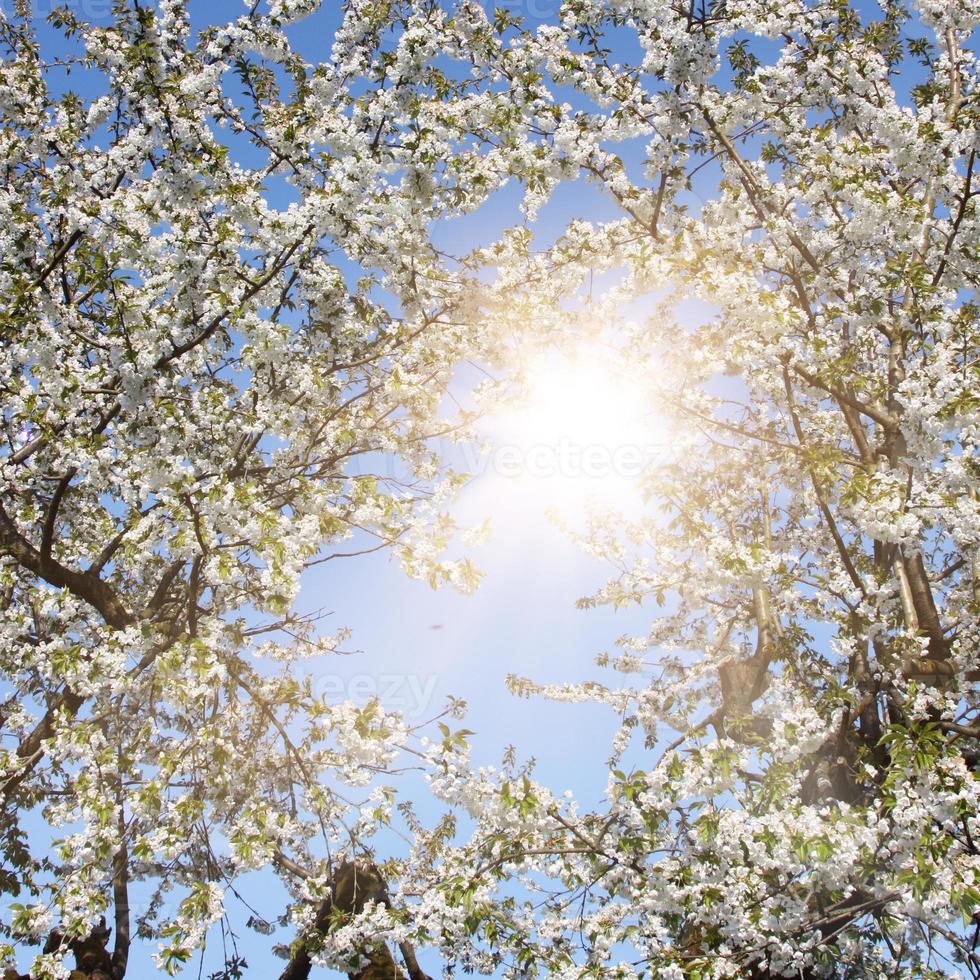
(84, 585)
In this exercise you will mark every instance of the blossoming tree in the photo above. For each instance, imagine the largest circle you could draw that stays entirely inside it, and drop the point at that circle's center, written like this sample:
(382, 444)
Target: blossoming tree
(190, 372)
(199, 381)
(793, 791)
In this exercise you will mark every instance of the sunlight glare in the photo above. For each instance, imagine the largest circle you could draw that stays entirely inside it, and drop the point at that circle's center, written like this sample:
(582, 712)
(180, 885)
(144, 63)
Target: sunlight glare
(583, 432)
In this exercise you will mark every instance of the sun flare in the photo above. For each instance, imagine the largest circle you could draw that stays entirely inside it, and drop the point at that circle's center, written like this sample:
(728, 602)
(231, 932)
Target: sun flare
(582, 429)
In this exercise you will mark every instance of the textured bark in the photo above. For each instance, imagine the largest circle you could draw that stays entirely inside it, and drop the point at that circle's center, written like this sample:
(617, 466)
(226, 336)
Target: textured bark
(92, 960)
(354, 885)
(85, 585)
(743, 681)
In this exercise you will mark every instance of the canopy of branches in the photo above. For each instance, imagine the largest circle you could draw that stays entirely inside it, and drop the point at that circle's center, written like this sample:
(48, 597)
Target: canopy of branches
(222, 301)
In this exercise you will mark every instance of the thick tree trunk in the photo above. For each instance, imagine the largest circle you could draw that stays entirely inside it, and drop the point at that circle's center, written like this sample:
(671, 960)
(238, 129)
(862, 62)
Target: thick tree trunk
(354, 885)
(92, 959)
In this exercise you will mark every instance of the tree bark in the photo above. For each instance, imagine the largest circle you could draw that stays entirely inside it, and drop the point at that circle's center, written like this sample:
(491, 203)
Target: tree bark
(354, 884)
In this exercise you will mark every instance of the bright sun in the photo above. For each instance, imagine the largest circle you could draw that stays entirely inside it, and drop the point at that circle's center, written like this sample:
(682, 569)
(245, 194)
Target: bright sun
(583, 430)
